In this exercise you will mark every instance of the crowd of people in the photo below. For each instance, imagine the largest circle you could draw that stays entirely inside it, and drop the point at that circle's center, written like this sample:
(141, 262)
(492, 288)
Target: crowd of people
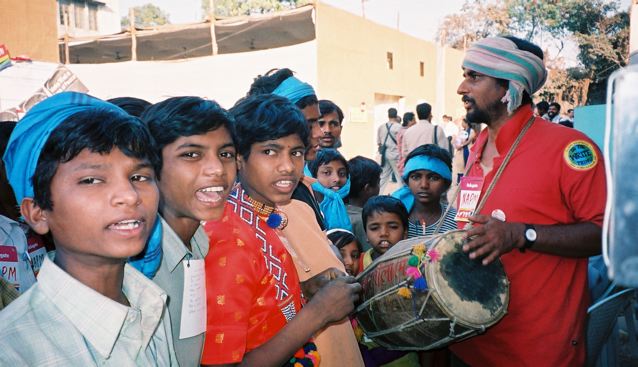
(182, 233)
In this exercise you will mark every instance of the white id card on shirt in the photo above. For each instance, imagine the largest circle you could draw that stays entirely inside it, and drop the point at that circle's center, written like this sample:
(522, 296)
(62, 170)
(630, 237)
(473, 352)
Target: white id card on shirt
(193, 319)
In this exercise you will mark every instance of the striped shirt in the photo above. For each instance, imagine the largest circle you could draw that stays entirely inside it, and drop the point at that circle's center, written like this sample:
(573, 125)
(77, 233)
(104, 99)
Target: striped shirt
(415, 229)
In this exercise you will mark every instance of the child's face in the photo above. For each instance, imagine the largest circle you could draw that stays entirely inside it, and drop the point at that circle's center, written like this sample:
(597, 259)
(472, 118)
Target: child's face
(332, 175)
(273, 169)
(383, 230)
(350, 254)
(426, 186)
(104, 205)
(198, 172)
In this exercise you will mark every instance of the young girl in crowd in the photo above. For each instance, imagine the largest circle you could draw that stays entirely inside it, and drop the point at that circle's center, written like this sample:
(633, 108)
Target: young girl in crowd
(349, 248)
(332, 186)
(428, 175)
(386, 222)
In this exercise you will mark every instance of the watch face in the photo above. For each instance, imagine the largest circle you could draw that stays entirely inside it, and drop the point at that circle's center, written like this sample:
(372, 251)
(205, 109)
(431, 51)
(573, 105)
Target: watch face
(530, 235)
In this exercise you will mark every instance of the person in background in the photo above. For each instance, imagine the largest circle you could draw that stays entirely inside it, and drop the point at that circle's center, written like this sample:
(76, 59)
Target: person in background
(388, 148)
(331, 123)
(364, 184)
(332, 186)
(132, 105)
(408, 121)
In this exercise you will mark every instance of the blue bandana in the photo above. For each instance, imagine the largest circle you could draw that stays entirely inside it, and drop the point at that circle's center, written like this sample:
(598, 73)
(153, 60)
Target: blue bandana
(31, 134)
(332, 206)
(294, 89)
(420, 162)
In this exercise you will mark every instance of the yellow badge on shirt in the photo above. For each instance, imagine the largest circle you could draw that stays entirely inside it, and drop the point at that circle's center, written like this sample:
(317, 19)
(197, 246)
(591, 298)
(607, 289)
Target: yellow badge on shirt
(580, 155)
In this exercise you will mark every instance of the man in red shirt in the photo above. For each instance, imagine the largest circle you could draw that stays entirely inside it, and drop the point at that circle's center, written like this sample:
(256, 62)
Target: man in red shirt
(542, 217)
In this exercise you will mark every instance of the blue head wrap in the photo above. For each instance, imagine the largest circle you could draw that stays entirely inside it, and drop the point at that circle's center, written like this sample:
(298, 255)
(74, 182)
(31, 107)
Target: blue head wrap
(294, 89)
(31, 134)
(333, 207)
(420, 162)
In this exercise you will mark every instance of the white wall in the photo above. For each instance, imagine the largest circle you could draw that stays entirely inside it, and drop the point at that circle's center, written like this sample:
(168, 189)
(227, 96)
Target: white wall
(223, 78)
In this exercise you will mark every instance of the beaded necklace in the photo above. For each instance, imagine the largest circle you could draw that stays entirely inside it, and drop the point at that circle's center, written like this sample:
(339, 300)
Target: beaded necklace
(275, 218)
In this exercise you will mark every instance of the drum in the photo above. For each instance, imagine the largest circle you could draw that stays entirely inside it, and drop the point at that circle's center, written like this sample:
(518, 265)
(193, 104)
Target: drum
(426, 293)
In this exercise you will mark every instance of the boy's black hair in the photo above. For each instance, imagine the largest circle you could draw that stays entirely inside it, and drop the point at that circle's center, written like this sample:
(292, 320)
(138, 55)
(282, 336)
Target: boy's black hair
(363, 171)
(407, 117)
(392, 113)
(6, 128)
(266, 117)
(132, 105)
(555, 104)
(98, 130)
(423, 110)
(342, 238)
(325, 156)
(432, 150)
(384, 204)
(175, 117)
(327, 106)
(266, 84)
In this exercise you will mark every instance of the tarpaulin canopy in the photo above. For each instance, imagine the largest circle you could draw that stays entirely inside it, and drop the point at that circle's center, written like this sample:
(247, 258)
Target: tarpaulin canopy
(172, 42)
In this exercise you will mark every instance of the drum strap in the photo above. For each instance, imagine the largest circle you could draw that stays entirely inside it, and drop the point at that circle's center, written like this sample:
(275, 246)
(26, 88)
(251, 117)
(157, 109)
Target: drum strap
(500, 170)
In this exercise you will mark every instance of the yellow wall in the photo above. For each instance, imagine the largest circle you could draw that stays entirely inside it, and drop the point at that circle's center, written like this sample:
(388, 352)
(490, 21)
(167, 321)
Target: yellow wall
(29, 28)
(352, 67)
(453, 75)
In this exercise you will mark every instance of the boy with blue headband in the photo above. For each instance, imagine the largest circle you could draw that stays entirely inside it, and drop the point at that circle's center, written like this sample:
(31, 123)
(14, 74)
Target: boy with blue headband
(84, 170)
(428, 176)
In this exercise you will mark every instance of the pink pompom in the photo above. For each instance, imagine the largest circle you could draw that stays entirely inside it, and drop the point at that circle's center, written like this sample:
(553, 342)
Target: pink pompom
(412, 272)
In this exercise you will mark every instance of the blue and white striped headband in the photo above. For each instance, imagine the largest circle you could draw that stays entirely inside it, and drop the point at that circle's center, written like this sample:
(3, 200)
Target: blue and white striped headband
(500, 58)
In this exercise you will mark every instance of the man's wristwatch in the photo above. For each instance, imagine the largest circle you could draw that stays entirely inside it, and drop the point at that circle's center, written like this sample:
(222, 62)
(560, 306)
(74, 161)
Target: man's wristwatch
(530, 237)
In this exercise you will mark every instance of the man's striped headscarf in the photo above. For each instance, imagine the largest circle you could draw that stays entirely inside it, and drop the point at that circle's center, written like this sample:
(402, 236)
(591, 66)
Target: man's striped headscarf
(499, 57)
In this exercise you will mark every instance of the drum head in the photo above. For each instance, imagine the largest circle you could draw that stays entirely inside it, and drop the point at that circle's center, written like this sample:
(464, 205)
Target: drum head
(474, 294)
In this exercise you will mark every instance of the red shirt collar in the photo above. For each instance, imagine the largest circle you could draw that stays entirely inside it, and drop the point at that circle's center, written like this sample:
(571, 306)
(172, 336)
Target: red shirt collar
(506, 134)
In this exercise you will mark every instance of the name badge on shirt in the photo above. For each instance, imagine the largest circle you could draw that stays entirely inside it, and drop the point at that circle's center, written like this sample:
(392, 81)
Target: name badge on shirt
(193, 319)
(468, 197)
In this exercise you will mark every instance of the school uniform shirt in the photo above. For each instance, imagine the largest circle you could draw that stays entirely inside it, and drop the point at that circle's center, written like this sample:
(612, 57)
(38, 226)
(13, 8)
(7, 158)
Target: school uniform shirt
(170, 277)
(251, 294)
(62, 322)
(555, 176)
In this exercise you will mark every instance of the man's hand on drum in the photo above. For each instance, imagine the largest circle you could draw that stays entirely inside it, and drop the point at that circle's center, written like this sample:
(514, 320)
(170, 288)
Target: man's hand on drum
(489, 238)
(336, 300)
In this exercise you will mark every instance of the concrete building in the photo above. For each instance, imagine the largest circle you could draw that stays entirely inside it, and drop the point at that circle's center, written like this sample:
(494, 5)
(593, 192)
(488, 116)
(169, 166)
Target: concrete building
(28, 28)
(88, 17)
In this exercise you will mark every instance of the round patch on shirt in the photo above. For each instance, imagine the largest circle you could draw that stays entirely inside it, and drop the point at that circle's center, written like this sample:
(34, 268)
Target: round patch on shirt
(580, 155)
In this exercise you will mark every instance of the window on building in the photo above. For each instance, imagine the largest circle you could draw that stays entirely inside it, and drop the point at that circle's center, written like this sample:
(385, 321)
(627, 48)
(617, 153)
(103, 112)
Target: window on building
(93, 17)
(63, 9)
(421, 68)
(390, 60)
(78, 15)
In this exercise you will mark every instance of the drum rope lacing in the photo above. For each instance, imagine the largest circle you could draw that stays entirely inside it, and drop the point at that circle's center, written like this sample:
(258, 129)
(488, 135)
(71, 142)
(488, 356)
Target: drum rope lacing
(500, 170)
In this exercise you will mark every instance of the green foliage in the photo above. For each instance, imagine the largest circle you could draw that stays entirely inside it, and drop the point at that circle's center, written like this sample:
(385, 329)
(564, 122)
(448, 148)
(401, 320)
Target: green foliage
(228, 8)
(148, 15)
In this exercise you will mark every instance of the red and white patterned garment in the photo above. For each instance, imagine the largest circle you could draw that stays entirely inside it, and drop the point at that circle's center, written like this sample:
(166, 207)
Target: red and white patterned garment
(252, 288)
